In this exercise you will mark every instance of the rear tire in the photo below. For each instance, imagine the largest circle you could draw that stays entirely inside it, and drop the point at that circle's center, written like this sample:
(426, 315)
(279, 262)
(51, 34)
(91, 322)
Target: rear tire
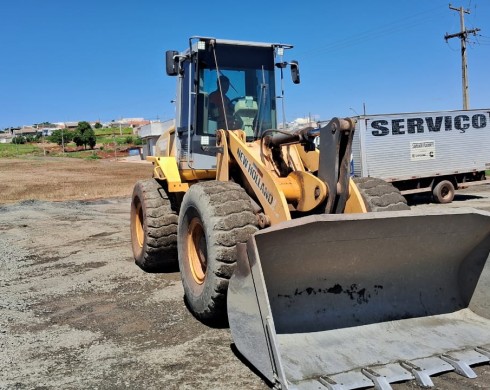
(379, 195)
(153, 228)
(443, 192)
(214, 217)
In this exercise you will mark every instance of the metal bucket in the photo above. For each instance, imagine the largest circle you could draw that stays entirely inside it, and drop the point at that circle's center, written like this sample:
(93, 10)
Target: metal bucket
(359, 300)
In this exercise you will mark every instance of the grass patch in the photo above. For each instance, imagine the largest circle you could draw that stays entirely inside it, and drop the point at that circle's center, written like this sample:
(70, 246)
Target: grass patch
(110, 140)
(14, 150)
(106, 132)
(85, 154)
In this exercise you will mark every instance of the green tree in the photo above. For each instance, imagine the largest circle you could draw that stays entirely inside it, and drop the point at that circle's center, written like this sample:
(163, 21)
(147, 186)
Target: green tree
(19, 140)
(60, 136)
(98, 125)
(84, 135)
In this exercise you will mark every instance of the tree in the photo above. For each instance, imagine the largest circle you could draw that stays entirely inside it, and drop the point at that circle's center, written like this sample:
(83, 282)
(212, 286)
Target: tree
(97, 125)
(84, 135)
(59, 137)
(19, 140)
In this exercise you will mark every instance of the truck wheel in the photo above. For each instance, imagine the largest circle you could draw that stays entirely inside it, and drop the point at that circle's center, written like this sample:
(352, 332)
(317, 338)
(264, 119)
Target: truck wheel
(153, 228)
(443, 192)
(379, 195)
(214, 217)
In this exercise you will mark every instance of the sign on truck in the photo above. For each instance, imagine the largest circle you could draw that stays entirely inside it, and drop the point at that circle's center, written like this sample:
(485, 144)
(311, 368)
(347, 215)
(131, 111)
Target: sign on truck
(435, 152)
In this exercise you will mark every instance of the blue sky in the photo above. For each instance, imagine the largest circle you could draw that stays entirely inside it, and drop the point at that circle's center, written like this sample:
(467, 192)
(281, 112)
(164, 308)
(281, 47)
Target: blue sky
(103, 60)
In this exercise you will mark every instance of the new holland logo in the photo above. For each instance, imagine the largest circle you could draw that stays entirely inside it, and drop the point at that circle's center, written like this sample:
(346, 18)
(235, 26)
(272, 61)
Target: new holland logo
(256, 175)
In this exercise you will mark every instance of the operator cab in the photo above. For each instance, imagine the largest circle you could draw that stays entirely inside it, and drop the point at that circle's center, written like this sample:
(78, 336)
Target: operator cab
(226, 85)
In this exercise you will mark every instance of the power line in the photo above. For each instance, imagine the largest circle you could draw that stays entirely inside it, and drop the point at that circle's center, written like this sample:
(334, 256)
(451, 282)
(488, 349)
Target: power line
(375, 33)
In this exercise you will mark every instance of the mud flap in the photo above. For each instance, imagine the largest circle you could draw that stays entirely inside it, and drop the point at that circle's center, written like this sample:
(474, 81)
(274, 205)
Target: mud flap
(360, 300)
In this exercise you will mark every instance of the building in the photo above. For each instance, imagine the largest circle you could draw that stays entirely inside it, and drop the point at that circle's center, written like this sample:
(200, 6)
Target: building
(27, 130)
(5, 138)
(149, 134)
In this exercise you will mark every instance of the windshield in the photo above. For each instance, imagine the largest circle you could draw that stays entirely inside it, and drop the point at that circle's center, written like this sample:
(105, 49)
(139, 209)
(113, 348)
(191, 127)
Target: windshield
(238, 93)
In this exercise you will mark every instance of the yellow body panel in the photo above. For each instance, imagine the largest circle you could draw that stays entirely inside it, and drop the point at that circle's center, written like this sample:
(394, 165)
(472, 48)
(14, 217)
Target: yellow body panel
(165, 168)
(311, 160)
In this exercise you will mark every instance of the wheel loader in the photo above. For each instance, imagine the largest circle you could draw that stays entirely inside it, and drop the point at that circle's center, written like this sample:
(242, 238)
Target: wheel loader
(326, 281)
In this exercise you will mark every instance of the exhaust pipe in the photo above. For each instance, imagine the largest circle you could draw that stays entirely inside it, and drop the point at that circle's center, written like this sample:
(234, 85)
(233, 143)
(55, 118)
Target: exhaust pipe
(358, 300)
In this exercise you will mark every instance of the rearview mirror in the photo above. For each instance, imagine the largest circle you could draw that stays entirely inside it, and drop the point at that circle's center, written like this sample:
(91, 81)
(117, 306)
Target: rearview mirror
(295, 71)
(172, 62)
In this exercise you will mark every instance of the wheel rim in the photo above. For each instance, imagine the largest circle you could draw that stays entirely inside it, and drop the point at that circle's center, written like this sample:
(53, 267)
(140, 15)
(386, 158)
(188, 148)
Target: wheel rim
(196, 249)
(138, 225)
(445, 192)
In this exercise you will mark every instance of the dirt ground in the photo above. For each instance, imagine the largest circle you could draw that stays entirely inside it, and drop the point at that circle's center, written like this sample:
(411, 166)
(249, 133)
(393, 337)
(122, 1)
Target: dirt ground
(77, 313)
(58, 178)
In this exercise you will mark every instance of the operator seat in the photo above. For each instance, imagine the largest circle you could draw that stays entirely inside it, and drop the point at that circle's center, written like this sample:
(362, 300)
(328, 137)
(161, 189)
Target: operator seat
(247, 108)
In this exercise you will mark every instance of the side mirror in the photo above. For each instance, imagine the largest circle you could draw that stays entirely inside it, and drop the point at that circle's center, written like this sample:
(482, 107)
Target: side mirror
(295, 71)
(172, 62)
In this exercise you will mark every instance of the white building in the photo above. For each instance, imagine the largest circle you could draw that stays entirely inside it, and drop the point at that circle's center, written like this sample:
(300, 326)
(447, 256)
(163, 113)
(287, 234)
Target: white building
(149, 134)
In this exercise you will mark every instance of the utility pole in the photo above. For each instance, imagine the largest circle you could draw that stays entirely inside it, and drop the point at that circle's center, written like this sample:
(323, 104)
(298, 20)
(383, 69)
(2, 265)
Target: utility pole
(463, 36)
(62, 142)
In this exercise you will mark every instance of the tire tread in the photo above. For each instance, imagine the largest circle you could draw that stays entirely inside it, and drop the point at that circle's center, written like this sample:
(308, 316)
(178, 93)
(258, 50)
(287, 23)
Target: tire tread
(160, 241)
(380, 195)
(230, 221)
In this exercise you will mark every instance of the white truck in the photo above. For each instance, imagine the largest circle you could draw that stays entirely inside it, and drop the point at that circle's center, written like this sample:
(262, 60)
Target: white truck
(436, 152)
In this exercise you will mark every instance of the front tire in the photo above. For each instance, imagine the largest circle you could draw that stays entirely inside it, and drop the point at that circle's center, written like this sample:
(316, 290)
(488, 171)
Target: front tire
(379, 195)
(214, 217)
(153, 228)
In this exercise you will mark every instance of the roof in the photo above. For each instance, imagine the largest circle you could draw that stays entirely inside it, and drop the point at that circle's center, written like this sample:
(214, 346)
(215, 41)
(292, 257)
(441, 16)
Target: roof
(236, 43)
(155, 129)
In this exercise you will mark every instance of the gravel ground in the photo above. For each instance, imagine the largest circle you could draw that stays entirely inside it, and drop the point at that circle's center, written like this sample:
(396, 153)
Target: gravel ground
(77, 313)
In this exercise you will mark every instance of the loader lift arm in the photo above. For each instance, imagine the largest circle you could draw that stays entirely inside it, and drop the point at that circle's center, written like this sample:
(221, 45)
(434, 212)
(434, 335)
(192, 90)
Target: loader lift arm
(280, 176)
(335, 146)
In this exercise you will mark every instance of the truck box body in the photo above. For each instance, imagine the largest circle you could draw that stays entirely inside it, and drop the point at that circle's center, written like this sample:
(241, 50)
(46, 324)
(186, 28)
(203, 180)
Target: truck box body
(415, 150)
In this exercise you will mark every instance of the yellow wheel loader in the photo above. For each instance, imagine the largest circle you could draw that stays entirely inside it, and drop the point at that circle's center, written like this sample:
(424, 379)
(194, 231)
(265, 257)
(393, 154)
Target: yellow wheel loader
(326, 281)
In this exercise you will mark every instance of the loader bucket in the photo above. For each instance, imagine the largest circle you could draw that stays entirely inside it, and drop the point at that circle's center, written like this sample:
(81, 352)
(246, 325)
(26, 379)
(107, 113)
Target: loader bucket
(361, 300)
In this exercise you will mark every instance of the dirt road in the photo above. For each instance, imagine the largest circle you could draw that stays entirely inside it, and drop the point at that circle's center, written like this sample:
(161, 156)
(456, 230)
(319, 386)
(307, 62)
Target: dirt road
(76, 313)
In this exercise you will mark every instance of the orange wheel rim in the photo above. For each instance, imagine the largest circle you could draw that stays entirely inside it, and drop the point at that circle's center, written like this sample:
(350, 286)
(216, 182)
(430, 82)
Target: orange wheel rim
(138, 225)
(196, 249)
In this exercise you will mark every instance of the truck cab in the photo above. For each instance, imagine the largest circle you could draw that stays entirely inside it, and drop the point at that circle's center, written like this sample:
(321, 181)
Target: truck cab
(204, 104)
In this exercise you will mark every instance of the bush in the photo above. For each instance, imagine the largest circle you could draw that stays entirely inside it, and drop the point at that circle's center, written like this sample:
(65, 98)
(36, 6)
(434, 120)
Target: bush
(19, 140)
(129, 139)
(138, 141)
(60, 136)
